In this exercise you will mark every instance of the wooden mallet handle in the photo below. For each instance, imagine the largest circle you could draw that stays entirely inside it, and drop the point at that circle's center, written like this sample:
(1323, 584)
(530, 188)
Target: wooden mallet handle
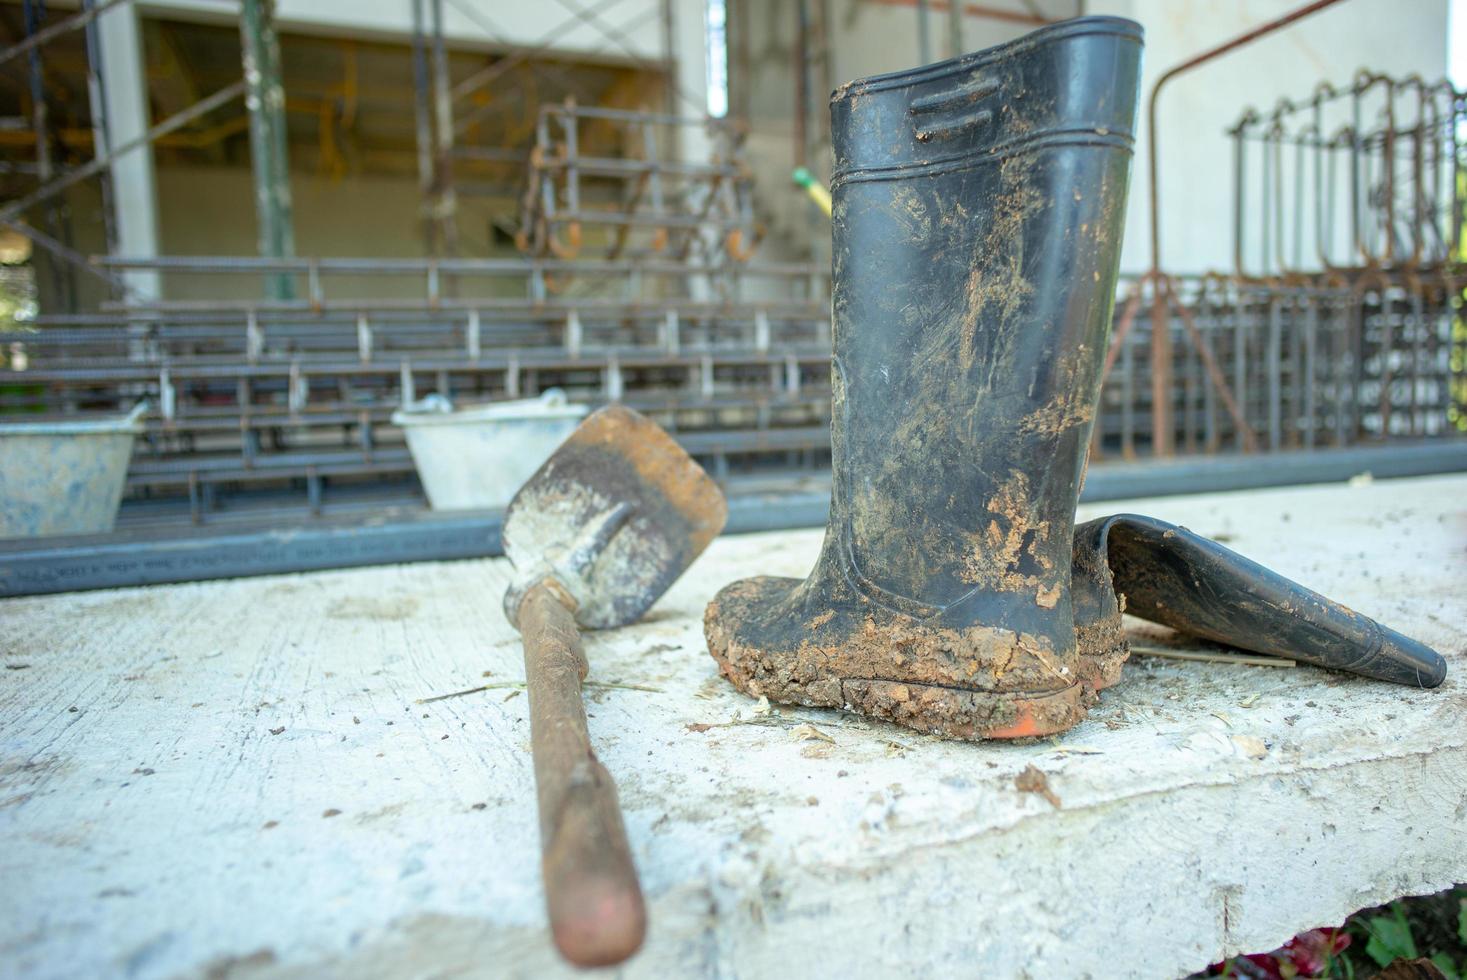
(597, 916)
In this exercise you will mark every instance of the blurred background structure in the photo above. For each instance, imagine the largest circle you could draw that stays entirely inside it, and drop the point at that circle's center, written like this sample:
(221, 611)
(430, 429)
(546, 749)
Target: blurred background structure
(281, 222)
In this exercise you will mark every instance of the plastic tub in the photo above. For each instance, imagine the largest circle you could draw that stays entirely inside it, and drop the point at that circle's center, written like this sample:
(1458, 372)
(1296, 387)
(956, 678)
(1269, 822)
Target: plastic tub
(477, 457)
(64, 477)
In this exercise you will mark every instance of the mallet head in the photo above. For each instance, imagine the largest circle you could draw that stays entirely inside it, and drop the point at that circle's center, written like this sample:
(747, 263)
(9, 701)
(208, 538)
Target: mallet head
(614, 516)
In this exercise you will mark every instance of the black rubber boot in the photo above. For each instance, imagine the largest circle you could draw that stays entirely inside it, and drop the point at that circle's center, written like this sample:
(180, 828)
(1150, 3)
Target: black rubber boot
(978, 207)
(1167, 574)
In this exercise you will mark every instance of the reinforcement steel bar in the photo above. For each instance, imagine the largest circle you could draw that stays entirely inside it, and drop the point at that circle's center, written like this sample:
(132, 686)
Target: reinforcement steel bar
(687, 210)
(98, 96)
(525, 267)
(423, 123)
(1361, 177)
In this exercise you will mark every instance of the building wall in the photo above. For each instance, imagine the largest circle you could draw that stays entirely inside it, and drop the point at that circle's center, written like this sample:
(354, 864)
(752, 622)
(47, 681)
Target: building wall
(211, 211)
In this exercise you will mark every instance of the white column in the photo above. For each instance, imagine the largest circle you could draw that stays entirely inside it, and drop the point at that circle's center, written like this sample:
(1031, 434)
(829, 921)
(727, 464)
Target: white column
(689, 40)
(689, 36)
(134, 189)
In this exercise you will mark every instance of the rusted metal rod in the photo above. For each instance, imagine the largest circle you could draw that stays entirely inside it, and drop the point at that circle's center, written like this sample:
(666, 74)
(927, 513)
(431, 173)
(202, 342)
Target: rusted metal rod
(1209, 362)
(1162, 435)
(1212, 53)
(1396, 190)
(1123, 327)
(423, 125)
(445, 197)
(801, 54)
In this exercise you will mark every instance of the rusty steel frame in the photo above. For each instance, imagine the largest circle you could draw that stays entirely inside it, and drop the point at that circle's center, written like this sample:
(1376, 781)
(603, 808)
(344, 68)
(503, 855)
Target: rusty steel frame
(542, 282)
(1383, 191)
(650, 198)
(1369, 165)
(105, 154)
(437, 88)
(1161, 351)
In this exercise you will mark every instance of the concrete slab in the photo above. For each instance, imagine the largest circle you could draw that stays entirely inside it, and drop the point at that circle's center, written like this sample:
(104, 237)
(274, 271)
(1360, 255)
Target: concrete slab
(236, 779)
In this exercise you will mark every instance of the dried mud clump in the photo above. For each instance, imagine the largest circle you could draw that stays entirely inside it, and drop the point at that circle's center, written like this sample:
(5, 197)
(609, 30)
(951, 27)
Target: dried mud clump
(1103, 651)
(972, 683)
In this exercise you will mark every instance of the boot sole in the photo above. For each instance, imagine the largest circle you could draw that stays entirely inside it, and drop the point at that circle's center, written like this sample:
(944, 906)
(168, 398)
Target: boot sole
(964, 714)
(947, 712)
(817, 672)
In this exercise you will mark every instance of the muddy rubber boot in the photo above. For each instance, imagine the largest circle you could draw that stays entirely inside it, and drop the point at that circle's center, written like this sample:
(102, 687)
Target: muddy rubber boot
(978, 206)
(1169, 575)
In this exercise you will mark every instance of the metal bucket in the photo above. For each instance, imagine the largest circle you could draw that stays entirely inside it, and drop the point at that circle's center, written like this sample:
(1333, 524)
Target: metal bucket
(477, 457)
(64, 477)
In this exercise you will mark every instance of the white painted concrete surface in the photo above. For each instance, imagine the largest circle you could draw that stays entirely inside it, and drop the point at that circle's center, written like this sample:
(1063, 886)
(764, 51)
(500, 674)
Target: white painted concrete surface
(235, 780)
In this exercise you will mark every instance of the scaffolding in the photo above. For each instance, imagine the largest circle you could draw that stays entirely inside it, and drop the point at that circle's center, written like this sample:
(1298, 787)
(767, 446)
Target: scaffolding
(650, 204)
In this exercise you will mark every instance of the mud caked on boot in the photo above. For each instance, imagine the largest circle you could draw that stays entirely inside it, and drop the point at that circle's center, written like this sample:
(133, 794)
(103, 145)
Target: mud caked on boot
(978, 207)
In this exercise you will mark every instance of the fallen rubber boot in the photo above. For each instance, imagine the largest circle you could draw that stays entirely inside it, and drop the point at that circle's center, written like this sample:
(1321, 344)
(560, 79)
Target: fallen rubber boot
(978, 207)
(1167, 574)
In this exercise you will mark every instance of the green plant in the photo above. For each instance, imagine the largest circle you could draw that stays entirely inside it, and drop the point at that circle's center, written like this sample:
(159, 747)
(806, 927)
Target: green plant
(1433, 926)
(1389, 933)
(1388, 937)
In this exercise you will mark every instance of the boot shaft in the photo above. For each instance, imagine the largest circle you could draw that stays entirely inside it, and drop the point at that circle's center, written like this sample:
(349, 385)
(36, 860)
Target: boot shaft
(978, 209)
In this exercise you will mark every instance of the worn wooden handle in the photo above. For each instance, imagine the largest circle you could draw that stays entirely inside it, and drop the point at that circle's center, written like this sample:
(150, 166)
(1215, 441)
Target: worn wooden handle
(597, 916)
